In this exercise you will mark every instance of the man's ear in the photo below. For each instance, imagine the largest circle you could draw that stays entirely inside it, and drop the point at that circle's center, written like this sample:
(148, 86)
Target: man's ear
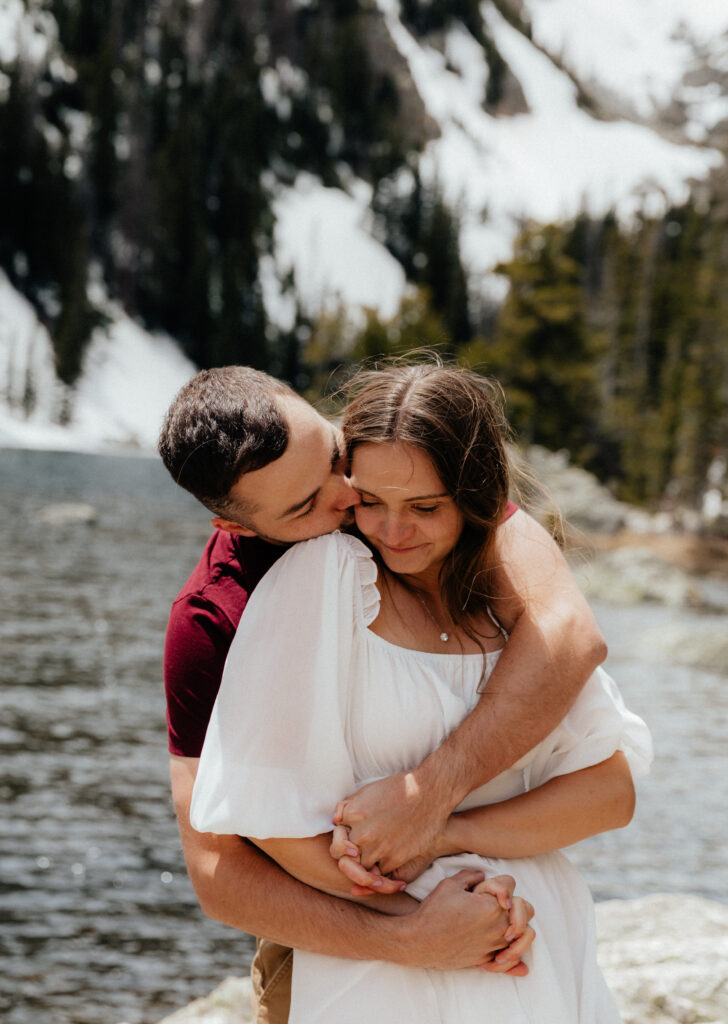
(230, 527)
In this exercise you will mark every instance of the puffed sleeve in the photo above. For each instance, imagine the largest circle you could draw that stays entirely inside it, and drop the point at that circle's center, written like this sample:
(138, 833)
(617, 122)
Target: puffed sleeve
(596, 727)
(275, 759)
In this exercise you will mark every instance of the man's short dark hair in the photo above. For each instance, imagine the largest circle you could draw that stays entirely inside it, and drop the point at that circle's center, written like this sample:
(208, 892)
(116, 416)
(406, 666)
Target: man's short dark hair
(223, 423)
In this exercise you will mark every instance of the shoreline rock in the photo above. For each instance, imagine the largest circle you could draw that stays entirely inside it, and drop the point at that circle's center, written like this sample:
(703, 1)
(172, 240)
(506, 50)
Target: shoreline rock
(665, 958)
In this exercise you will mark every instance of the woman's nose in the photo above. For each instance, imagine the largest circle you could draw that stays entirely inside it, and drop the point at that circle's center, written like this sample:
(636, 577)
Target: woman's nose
(395, 529)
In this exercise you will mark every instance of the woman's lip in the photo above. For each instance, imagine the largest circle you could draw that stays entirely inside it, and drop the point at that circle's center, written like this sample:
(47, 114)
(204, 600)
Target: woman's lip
(400, 551)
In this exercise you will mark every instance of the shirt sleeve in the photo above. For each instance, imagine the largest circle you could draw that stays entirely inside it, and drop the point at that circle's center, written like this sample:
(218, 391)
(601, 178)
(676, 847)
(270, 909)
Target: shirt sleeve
(596, 727)
(275, 759)
(198, 637)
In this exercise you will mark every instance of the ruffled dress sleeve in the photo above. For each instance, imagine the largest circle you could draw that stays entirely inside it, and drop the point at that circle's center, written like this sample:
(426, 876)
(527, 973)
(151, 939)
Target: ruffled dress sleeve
(276, 759)
(596, 727)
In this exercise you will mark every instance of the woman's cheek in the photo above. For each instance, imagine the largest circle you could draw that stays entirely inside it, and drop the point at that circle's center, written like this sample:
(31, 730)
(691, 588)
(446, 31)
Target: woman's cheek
(365, 520)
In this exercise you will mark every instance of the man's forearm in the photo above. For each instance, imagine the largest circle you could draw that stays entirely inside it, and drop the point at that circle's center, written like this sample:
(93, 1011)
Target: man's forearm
(536, 680)
(248, 891)
(553, 647)
(240, 886)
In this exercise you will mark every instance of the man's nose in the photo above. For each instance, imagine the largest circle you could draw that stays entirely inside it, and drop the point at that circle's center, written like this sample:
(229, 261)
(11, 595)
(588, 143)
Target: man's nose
(347, 496)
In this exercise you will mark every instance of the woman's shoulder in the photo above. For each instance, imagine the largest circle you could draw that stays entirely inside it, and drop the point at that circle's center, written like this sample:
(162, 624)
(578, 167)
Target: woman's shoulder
(329, 555)
(336, 564)
(342, 545)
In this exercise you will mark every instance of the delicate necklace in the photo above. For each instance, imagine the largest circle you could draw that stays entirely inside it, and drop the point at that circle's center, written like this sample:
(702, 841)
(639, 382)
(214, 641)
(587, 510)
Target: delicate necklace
(443, 635)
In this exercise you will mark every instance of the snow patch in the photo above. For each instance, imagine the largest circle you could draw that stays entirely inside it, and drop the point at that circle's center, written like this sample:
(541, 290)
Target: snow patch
(129, 378)
(548, 164)
(323, 237)
(639, 51)
(32, 397)
(27, 33)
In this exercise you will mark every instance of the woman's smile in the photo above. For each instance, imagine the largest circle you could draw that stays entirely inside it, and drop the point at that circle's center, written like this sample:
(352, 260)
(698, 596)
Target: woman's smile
(405, 511)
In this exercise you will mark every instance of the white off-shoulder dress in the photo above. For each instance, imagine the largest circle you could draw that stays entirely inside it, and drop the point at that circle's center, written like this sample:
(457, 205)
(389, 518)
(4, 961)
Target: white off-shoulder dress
(313, 705)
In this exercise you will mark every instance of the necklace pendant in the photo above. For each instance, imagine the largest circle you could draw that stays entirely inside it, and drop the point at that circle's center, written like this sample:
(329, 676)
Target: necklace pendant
(444, 637)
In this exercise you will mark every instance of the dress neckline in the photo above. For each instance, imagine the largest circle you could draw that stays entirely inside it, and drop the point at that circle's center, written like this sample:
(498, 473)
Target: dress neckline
(431, 654)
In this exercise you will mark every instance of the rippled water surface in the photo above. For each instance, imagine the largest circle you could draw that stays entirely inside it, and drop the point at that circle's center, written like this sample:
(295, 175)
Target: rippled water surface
(98, 923)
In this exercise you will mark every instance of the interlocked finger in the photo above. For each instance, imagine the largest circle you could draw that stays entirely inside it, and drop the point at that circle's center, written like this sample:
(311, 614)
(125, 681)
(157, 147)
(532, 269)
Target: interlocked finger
(367, 882)
(341, 845)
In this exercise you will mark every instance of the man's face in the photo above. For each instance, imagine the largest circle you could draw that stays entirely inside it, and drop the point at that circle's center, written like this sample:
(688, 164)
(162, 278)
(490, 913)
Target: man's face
(304, 493)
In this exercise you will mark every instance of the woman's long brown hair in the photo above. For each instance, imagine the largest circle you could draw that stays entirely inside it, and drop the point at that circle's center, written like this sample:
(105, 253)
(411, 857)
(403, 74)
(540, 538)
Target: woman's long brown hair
(456, 418)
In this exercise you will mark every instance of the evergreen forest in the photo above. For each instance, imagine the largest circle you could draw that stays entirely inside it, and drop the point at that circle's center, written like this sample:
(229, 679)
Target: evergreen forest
(142, 154)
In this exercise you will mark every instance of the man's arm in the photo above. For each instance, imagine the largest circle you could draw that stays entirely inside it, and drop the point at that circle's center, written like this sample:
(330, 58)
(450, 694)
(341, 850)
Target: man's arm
(238, 885)
(553, 648)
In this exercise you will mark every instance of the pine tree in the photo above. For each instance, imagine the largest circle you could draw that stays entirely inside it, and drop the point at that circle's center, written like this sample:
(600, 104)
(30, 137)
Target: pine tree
(542, 351)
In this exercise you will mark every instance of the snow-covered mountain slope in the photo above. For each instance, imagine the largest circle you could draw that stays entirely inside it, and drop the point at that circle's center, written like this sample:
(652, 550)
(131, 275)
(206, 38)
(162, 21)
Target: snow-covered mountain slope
(618, 102)
(642, 52)
(555, 159)
(129, 379)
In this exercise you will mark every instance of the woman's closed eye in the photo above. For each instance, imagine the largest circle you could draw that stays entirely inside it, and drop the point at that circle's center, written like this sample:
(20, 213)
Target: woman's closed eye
(424, 509)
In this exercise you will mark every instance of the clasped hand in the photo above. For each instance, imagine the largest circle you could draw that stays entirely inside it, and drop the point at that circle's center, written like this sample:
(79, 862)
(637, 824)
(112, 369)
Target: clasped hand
(387, 834)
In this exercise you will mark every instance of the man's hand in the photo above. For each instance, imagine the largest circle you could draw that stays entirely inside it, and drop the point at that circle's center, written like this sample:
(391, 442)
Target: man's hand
(519, 935)
(463, 927)
(395, 820)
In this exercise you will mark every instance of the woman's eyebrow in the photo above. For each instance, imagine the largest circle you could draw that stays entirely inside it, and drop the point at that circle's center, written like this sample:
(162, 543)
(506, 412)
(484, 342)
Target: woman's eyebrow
(420, 497)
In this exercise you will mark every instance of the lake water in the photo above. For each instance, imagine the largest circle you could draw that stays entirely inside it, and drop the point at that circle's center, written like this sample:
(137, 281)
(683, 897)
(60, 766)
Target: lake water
(98, 922)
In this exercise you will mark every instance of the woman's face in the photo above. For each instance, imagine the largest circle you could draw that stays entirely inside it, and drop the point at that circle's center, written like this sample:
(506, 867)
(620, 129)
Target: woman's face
(405, 512)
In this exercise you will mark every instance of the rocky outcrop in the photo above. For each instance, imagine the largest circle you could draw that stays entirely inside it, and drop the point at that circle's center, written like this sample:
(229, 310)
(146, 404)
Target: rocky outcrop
(584, 503)
(665, 958)
(631, 575)
(621, 554)
(697, 644)
(229, 1003)
(64, 513)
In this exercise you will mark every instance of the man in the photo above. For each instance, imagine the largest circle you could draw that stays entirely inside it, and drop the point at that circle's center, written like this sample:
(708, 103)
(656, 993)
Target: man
(272, 472)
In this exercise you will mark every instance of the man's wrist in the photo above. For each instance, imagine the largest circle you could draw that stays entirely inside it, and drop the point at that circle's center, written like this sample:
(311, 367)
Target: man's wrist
(406, 941)
(435, 781)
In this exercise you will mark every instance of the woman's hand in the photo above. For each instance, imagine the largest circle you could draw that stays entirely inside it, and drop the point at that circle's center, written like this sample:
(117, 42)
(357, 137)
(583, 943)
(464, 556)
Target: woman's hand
(348, 856)
(396, 819)
(365, 882)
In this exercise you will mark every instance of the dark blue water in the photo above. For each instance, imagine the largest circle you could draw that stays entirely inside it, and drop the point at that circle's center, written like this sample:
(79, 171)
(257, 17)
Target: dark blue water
(98, 922)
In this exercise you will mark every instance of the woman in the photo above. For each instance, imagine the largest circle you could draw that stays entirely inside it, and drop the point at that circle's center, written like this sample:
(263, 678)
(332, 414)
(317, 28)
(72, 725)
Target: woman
(388, 646)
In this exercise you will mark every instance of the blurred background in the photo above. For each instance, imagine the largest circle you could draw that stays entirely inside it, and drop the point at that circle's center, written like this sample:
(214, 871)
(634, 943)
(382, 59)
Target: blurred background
(537, 188)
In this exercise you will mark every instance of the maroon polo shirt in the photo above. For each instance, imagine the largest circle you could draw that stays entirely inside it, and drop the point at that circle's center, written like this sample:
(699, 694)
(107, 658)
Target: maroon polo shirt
(201, 628)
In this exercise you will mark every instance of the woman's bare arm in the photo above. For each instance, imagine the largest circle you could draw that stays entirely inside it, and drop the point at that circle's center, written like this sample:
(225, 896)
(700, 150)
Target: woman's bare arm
(309, 860)
(563, 811)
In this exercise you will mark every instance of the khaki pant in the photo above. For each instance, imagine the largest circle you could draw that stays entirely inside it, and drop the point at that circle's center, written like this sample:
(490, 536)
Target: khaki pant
(271, 977)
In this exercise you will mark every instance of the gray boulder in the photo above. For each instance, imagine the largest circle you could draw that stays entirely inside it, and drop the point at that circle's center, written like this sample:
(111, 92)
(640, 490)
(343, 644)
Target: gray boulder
(665, 958)
(631, 575)
(65, 513)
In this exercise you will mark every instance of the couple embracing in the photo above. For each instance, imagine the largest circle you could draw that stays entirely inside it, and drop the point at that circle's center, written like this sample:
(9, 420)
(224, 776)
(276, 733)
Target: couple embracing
(401, 714)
